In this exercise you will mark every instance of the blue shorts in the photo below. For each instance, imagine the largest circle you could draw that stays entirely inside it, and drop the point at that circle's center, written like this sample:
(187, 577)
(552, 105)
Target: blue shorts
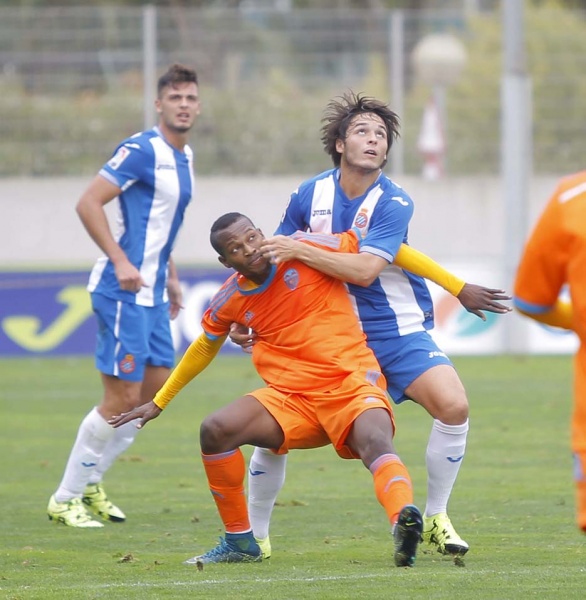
(403, 359)
(131, 336)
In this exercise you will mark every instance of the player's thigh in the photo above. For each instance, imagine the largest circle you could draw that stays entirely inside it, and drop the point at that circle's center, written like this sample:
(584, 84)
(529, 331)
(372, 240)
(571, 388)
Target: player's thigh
(404, 359)
(440, 391)
(243, 421)
(297, 418)
(122, 342)
(341, 409)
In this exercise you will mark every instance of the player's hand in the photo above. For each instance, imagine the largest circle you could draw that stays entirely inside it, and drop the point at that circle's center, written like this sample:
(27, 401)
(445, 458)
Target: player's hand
(175, 297)
(476, 298)
(242, 336)
(128, 276)
(146, 412)
(280, 248)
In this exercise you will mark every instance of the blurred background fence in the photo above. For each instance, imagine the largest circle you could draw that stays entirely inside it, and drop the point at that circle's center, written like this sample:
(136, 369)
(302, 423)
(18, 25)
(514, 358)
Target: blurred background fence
(75, 80)
(479, 164)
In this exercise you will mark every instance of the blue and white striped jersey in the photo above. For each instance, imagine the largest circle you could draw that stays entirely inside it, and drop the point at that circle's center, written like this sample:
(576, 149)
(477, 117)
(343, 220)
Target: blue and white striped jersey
(157, 185)
(398, 302)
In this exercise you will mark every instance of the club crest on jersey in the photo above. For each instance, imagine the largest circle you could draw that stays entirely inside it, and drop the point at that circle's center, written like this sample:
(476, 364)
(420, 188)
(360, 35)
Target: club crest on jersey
(291, 279)
(361, 220)
(248, 316)
(118, 158)
(127, 364)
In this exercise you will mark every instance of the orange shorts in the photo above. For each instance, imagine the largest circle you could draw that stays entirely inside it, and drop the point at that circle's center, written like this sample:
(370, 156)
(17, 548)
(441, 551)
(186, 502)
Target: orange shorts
(315, 419)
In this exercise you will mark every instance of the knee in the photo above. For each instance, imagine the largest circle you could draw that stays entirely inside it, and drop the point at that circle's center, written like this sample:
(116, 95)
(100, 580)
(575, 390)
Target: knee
(211, 435)
(454, 412)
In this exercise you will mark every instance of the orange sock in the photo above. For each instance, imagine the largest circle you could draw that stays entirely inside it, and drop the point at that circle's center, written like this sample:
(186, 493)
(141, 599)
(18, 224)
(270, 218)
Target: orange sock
(226, 474)
(392, 484)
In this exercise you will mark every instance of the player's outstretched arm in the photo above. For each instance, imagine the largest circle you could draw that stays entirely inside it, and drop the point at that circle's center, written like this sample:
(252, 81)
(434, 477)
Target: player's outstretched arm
(474, 298)
(561, 314)
(477, 298)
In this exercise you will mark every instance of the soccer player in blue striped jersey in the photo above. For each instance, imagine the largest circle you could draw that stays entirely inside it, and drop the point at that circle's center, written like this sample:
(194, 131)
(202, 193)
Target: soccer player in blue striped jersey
(394, 306)
(134, 288)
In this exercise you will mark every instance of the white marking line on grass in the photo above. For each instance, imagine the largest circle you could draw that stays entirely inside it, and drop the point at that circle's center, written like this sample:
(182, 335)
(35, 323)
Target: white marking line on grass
(256, 580)
(232, 581)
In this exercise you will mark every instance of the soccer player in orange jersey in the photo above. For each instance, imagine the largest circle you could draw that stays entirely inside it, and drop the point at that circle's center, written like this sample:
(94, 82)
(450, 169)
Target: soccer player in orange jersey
(323, 386)
(555, 256)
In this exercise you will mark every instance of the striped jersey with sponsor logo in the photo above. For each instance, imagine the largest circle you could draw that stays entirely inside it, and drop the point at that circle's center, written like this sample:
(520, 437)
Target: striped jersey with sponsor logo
(308, 337)
(156, 181)
(397, 303)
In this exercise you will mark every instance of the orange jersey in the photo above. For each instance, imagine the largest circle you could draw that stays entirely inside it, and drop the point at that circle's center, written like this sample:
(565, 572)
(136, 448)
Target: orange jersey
(308, 336)
(556, 254)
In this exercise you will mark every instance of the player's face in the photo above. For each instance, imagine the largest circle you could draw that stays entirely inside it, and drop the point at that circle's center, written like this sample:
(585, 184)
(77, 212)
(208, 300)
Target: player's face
(179, 106)
(241, 243)
(366, 143)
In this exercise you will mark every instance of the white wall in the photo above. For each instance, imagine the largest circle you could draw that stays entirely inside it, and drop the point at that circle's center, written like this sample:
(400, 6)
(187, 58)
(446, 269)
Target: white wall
(454, 219)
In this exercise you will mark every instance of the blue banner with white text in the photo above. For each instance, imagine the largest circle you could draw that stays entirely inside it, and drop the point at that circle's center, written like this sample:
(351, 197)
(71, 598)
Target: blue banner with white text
(49, 312)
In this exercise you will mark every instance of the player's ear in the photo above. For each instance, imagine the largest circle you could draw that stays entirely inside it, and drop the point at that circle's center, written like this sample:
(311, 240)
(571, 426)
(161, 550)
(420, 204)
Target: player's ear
(158, 106)
(223, 261)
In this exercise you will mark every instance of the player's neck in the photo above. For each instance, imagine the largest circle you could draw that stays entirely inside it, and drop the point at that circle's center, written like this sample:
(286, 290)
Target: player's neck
(176, 139)
(355, 182)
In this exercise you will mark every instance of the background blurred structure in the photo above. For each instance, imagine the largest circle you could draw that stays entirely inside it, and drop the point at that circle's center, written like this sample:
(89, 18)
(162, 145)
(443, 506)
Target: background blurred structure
(438, 60)
(75, 80)
(72, 81)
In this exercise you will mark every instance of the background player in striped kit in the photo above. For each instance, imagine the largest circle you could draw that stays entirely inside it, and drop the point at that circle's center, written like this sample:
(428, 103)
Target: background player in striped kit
(134, 288)
(555, 257)
(394, 306)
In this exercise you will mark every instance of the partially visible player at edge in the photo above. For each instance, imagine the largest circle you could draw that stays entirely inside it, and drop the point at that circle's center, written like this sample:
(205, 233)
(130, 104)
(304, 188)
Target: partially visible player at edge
(134, 289)
(394, 306)
(323, 385)
(555, 257)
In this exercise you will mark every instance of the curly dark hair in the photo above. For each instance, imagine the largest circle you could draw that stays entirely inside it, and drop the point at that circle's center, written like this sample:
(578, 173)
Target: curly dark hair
(341, 110)
(176, 74)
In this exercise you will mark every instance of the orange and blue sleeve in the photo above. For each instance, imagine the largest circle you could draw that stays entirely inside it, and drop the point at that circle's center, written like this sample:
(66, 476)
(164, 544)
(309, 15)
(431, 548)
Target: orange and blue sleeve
(541, 272)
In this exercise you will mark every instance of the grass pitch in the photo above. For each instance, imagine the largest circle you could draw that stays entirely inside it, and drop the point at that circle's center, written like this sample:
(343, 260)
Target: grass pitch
(513, 503)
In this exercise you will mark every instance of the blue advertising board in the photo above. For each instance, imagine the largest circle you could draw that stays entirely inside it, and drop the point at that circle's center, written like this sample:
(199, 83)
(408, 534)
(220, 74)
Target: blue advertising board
(50, 313)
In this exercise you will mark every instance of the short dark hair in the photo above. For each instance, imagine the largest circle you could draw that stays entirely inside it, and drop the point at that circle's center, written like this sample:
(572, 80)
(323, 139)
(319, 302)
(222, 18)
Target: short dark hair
(222, 223)
(340, 111)
(176, 74)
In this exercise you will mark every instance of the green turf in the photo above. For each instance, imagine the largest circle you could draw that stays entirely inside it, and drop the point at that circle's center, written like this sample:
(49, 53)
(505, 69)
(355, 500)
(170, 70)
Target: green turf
(514, 502)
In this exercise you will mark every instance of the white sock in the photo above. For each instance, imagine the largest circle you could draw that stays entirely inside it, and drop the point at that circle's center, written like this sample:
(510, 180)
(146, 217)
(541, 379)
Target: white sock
(445, 451)
(120, 441)
(266, 475)
(92, 437)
